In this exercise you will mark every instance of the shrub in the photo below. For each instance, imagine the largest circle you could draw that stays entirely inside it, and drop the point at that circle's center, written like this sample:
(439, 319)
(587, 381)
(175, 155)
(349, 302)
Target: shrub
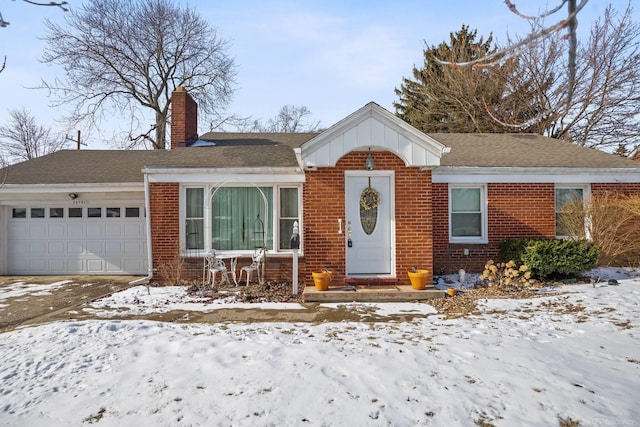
(613, 224)
(512, 249)
(172, 270)
(546, 257)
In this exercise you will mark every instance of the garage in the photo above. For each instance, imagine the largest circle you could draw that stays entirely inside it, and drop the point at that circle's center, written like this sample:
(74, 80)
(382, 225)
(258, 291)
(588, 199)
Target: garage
(50, 240)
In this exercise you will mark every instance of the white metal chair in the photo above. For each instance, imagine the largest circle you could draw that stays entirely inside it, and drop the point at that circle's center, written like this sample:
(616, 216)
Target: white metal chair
(255, 266)
(213, 265)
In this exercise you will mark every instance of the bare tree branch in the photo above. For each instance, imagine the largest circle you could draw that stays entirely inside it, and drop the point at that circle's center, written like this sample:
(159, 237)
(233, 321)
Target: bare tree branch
(61, 5)
(604, 109)
(512, 8)
(290, 118)
(119, 55)
(23, 139)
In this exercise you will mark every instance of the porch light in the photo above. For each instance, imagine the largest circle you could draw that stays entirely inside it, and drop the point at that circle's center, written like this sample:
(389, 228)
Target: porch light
(369, 164)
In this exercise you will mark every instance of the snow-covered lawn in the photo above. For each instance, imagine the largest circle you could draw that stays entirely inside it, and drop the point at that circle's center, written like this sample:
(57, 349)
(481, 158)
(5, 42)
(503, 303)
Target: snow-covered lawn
(571, 355)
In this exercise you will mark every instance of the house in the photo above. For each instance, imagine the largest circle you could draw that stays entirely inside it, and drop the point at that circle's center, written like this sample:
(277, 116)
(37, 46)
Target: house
(373, 197)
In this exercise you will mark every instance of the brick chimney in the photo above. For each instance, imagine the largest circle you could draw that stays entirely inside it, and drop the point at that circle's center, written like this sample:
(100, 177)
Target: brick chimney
(184, 118)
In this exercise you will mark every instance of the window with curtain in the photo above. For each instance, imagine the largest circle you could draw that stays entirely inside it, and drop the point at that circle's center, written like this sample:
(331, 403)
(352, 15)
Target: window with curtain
(194, 218)
(288, 215)
(239, 220)
(564, 198)
(466, 213)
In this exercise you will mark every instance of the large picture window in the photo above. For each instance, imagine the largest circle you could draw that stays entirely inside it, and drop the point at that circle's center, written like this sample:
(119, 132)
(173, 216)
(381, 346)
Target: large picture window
(467, 214)
(234, 218)
(239, 220)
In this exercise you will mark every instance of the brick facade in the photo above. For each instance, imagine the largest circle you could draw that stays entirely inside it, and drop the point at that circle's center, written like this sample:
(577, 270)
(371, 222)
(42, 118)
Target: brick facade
(627, 188)
(164, 204)
(514, 210)
(323, 203)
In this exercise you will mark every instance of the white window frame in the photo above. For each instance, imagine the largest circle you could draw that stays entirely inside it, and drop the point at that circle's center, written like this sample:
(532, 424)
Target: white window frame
(484, 220)
(274, 221)
(586, 196)
(278, 217)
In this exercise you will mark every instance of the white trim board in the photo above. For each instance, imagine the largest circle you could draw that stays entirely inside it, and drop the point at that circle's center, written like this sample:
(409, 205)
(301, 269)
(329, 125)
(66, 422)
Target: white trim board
(443, 175)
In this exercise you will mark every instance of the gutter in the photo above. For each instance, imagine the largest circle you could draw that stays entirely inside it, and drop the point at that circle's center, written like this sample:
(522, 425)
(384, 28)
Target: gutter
(147, 208)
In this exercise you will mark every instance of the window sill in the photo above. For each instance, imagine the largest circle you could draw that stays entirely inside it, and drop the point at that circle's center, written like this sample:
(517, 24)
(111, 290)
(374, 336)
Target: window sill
(468, 240)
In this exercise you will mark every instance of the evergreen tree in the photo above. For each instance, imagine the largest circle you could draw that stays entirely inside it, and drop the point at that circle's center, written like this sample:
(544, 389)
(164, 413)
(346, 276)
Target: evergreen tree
(450, 98)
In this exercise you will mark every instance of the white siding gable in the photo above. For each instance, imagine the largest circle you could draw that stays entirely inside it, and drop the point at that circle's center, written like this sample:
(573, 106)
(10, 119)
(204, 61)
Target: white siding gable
(372, 127)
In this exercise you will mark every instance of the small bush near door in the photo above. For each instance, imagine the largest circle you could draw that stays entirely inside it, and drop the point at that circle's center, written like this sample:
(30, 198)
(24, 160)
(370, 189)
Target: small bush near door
(546, 257)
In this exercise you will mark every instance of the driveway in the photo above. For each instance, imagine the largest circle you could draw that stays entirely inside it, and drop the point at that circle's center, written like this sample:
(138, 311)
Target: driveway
(53, 298)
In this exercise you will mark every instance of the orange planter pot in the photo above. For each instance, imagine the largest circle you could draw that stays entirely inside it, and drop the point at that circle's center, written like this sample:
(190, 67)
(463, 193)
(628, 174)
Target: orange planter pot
(322, 280)
(418, 279)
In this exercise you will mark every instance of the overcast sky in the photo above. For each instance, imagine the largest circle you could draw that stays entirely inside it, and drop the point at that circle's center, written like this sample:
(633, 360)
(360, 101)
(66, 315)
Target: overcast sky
(333, 56)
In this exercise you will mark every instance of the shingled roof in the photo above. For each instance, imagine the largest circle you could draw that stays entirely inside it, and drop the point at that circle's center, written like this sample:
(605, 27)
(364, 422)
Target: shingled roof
(248, 150)
(522, 150)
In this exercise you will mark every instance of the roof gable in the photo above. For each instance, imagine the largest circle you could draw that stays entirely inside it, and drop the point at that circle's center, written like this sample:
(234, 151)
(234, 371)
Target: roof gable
(372, 127)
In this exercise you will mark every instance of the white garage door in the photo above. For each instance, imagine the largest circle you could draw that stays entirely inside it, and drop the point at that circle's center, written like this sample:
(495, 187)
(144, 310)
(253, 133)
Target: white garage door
(76, 240)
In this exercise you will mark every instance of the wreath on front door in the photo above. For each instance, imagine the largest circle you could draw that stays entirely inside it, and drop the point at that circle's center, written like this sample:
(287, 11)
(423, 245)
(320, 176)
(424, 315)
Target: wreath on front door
(369, 199)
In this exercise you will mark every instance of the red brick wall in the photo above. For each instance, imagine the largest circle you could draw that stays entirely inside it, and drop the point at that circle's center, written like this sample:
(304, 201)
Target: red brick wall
(184, 117)
(514, 210)
(165, 223)
(628, 189)
(323, 204)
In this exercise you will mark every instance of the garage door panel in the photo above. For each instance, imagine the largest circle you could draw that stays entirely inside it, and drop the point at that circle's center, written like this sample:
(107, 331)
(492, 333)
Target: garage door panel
(95, 266)
(75, 247)
(56, 247)
(18, 229)
(133, 248)
(76, 265)
(114, 266)
(37, 248)
(18, 248)
(56, 231)
(62, 245)
(94, 230)
(134, 265)
(19, 265)
(37, 264)
(95, 247)
(75, 231)
(113, 230)
(113, 247)
(133, 230)
(38, 230)
(57, 266)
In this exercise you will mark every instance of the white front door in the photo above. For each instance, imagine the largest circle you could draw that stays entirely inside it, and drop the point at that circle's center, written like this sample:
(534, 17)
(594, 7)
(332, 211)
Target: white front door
(369, 248)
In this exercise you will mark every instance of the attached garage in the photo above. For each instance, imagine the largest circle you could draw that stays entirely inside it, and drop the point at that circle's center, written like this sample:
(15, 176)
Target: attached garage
(88, 239)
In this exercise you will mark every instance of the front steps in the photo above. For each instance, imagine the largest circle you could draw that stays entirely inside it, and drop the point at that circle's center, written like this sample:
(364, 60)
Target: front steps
(378, 292)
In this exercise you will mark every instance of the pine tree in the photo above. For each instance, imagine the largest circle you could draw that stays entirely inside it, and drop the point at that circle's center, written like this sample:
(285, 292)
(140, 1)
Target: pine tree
(449, 98)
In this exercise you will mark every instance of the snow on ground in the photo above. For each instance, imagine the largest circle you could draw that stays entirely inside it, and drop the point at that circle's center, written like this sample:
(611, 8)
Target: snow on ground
(139, 300)
(570, 355)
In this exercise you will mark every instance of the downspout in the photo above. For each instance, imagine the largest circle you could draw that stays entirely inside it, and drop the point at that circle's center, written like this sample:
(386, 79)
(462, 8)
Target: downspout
(147, 208)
